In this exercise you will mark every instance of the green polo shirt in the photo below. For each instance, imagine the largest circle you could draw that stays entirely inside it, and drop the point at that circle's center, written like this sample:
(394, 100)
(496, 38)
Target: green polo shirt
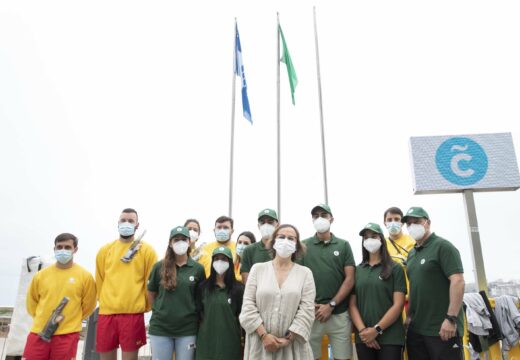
(219, 331)
(429, 267)
(254, 253)
(327, 261)
(174, 311)
(374, 296)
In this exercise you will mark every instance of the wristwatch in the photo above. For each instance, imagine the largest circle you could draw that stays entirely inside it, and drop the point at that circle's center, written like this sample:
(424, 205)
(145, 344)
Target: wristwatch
(378, 329)
(332, 304)
(451, 318)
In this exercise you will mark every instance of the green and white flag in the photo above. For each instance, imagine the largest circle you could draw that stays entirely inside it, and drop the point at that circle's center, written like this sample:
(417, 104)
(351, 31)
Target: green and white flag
(286, 59)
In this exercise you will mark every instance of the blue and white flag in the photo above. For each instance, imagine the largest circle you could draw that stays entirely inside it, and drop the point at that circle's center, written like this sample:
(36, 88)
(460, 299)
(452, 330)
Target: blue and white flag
(239, 71)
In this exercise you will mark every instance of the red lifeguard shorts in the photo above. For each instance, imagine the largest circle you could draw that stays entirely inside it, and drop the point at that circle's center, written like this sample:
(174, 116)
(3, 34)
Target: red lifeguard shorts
(125, 330)
(61, 347)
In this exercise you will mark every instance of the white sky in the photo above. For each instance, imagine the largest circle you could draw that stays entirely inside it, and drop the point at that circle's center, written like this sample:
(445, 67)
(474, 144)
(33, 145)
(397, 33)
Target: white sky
(114, 104)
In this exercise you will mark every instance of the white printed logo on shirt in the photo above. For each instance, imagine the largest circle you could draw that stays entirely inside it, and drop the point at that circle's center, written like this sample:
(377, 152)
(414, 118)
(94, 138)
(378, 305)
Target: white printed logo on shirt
(336, 253)
(423, 261)
(71, 280)
(192, 278)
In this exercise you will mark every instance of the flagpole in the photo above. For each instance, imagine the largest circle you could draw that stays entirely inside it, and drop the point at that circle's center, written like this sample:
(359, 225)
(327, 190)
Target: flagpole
(324, 157)
(232, 147)
(278, 116)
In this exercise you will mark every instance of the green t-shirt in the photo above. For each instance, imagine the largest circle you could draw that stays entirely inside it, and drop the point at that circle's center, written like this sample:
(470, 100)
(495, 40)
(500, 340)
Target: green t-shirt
(429, 268)
(374, 296)
(219, 330)
(174, 311)
(254, 253)
(327, 261)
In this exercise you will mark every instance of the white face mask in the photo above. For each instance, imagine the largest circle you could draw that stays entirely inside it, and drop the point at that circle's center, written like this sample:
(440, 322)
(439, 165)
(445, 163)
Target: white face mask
(322, 225)
(372, 245)
(284, 247)
(393, 227)
(180, 247)
(240, 249)
(266, 230)
(194, 236)
(416, 231)
(220, 266)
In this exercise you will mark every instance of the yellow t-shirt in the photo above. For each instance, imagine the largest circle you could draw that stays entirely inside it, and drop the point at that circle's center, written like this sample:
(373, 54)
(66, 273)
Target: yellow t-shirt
(49, 286)
(400, 247)
(207, 252)
(121, 287)
(398, 250)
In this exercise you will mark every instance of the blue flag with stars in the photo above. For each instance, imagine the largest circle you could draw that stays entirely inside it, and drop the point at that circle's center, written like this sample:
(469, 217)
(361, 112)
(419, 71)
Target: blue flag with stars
(239, 71)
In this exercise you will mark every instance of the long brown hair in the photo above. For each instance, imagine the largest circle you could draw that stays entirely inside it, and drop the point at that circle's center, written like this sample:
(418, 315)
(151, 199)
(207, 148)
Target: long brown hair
(386, 261)
(169, 268)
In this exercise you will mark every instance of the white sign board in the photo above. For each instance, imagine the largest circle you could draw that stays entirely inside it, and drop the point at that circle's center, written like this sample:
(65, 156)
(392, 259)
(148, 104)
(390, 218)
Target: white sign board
(482, 162)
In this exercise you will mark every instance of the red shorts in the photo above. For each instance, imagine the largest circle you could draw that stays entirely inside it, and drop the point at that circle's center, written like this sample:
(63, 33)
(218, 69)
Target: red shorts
(126, 330)
(61, 347)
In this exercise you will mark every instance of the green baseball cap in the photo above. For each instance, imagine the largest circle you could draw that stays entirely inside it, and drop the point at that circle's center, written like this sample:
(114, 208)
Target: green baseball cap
(372, 227)
(417, 212)
(223, 250)
(269, 213)
(180, 230)
(324, 207)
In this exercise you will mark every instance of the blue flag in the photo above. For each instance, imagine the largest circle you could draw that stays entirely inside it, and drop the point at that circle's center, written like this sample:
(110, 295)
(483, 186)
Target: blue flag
(239, 71)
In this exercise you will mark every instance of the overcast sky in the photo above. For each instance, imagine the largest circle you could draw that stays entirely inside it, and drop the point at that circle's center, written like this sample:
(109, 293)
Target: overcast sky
(113, 104)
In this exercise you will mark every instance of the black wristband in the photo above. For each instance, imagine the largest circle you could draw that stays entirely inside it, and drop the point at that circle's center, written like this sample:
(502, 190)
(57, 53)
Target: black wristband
(451, 318)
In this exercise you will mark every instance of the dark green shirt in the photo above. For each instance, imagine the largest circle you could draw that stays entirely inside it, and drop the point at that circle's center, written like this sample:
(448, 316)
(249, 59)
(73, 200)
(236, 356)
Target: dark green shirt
(429, 269)
(219, 330)
(374, 296)
(254, 253)
(327, 261)
(173, 311)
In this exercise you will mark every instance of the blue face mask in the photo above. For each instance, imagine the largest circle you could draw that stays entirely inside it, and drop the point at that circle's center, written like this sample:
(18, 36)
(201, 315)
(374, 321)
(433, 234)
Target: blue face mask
(240, 249)
(393, 227)
(221, 235)
(63, 256)
(126, 229)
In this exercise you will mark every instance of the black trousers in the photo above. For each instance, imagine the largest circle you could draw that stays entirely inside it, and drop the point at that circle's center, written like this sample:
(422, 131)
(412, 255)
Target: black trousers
(421, 347)
(387, 352)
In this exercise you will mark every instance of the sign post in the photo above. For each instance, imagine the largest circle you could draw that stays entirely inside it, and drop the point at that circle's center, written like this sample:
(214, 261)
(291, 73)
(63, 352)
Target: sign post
(465, 164)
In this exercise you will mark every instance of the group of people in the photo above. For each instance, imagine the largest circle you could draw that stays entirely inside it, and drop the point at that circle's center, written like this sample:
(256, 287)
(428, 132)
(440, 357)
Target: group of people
(275, 298)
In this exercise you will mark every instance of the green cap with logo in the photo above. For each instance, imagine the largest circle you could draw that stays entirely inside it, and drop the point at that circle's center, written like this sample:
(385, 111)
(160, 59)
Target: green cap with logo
(372, 227)
(417, 212)
(180, 230)
(324, 207)
(223, 250)
(269, 213)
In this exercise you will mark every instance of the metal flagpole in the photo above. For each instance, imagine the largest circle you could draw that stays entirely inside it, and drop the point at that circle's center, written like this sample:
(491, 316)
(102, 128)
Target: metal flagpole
(324, 157)
(474, 234)
(232, 147)
(278, 115)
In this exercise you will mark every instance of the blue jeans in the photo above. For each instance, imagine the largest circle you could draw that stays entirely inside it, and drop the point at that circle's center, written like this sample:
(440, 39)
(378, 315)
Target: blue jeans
(163, 347)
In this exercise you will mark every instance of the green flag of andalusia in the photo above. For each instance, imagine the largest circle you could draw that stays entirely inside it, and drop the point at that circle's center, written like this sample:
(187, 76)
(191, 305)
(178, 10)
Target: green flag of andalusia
(286, 59)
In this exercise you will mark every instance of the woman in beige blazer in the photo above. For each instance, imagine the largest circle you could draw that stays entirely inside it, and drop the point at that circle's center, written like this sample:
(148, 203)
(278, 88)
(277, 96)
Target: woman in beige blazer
(278, 308)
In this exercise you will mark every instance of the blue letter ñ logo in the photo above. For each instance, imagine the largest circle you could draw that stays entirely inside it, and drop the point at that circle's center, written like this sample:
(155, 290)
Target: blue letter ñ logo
(461, 161)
